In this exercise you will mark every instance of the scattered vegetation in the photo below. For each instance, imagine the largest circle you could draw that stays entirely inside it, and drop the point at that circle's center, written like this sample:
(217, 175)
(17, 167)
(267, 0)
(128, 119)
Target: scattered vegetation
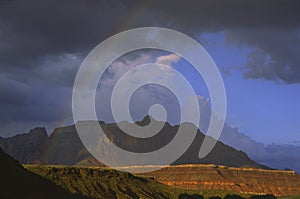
(65, 182)
(103, 182)
(239, 180)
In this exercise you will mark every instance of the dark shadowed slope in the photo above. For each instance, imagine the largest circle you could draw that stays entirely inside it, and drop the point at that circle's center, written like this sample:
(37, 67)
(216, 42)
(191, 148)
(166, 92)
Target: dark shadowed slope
(19, 183)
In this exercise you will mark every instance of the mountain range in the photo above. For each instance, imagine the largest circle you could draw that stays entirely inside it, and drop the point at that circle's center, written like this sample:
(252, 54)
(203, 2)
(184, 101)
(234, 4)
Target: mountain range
(64, 147)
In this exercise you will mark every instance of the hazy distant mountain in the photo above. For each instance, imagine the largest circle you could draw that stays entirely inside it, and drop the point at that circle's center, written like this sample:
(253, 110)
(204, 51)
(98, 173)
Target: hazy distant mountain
(63, 147)
(19, 183)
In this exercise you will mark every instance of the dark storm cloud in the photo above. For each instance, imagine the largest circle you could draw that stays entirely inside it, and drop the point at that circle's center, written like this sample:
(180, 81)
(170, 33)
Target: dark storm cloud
(31, 29)
(217, 14)
(41, 47)
(271, 28)
(42, 43)
(275, 55)
(21, 102)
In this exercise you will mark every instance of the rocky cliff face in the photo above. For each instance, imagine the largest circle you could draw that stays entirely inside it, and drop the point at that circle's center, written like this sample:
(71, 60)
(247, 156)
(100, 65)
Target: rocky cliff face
(64, 147)
(27, 148)
(242, 180)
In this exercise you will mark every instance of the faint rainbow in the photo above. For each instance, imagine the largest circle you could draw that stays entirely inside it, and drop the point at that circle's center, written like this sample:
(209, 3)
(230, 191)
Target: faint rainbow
(133, 16)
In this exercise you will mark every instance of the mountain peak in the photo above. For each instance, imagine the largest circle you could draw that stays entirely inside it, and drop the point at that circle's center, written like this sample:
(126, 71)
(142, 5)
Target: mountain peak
(146, 120)
(38, 132)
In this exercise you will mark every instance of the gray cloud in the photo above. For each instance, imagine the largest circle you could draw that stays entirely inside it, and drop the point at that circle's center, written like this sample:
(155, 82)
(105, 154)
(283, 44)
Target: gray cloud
(145, 96)
(38, 29)
(275, 54)
(220, 14)
(270, 28)
(38, 41)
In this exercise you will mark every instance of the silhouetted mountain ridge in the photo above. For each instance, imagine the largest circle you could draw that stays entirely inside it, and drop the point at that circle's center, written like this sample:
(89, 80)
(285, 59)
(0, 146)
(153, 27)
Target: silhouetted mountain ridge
(64, 147)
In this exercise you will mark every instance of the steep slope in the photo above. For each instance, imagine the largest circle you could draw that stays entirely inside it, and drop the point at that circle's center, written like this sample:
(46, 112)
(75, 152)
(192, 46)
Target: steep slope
(104, 182)
(64, 147)
(28, 148)
(19, 183)
(220, 155)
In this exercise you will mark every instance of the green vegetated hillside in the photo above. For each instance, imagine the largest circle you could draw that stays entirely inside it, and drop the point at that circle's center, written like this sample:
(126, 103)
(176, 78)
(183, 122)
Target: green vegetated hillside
(290, 197)
(101, 182)
(62, 182)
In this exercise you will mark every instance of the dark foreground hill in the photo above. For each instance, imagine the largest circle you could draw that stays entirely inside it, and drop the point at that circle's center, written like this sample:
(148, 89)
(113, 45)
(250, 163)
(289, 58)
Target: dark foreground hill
(19, 183)
(64, 147)
(45, 182)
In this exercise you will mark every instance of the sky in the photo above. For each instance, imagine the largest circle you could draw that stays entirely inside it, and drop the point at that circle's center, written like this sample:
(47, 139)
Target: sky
(255, 44)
